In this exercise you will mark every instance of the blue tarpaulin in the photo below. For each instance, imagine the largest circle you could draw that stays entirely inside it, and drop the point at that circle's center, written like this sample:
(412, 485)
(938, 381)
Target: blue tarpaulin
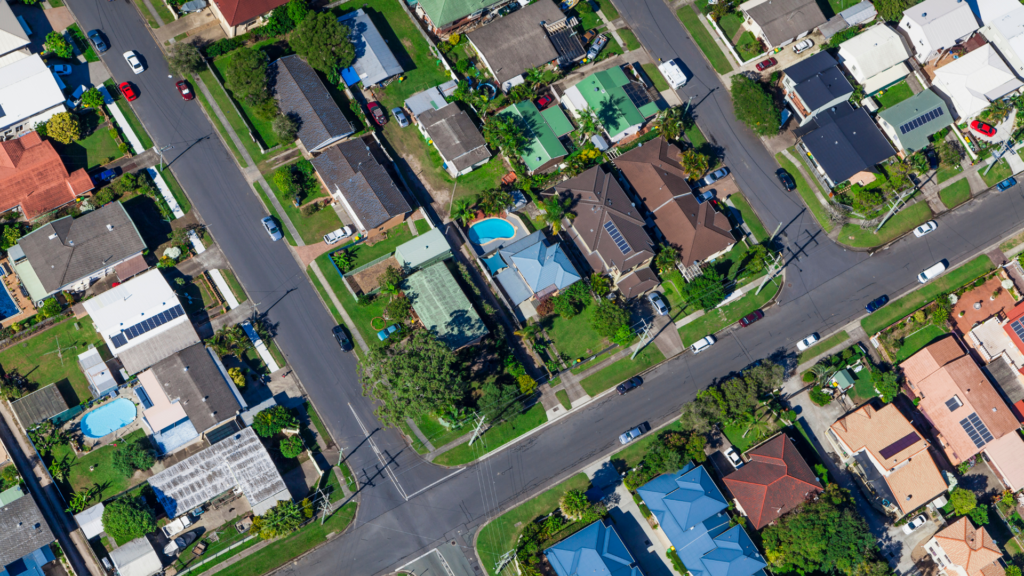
(350, 76)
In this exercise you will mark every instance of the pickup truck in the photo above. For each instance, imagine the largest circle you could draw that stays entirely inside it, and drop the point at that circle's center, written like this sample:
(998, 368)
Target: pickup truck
(338, 235)
(176, 526)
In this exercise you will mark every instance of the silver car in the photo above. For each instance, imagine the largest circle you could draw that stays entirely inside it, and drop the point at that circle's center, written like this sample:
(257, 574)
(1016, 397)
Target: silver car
(634, 433)
(271, 227)
(400, 116)
(597, 46)
(803, 46)
(658, 302)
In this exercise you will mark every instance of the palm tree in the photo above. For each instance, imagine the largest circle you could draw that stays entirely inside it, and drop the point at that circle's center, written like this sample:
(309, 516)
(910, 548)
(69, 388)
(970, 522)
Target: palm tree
(694, 163)
(822, 373)
(588, 124)
(343, 259)
(462, 210)
(670, 125)
(493, 201)
(666, 259)
(528, 332)
(555, 209)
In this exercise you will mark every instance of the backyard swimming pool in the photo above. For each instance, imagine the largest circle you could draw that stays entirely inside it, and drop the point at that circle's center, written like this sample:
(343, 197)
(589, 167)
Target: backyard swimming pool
(7, 306)
(108, 418)
(490, 230)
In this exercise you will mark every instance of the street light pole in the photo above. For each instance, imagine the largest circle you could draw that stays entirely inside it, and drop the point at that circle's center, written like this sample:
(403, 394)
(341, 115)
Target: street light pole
(160, 151)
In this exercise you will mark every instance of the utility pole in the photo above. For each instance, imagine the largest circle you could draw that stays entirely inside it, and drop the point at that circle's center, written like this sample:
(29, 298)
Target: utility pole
(775, 265)
(160, 151)
(1007, 146)
(687, 106)
(643, 338)
(325, 506)
(476, 431)
(895, 207)
(505, 559)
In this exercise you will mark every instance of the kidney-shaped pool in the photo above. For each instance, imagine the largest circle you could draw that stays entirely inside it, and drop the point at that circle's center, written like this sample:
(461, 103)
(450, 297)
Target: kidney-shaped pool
(108, 418)
(491, 229)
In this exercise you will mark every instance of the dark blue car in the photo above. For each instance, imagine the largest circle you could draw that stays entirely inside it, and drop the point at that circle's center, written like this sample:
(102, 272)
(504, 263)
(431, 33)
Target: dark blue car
(1005, 184)
(877, 303)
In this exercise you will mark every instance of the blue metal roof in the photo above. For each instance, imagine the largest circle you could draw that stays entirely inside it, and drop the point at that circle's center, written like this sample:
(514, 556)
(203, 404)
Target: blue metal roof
(544, 265)
(596, 550)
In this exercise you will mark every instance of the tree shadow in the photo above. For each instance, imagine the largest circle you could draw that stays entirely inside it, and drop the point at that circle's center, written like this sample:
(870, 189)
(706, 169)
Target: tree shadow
(152, 226)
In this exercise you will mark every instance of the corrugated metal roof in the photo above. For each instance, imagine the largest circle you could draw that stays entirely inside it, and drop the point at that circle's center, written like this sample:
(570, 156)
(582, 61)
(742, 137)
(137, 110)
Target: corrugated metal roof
(443, 307)
(422, 248)
(543, 145)
(40, 405)
(374, 61)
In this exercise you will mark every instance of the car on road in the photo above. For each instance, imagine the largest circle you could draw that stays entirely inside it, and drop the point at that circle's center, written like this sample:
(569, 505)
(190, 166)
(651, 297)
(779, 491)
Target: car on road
(132, 58)
(338, 235)
(713, 177)
(733, 457)
(751, 318)
(128, 91)
(1006, 184)
(184, 90)
(377, 113)
(877, 303)
(807, 342)
(766, 64)
(925, 228)
(342, 338)
(97, 40)
(597, 46)
(914, 524)
(634, 433)
(400, 117)
(271, 227)
(658, 302)
(630, 384)
(673, 74)
(61, 69)
(932, 272)
(702, 344)
(383, 334)
(983, 128)
(787, 181)
(803, 46)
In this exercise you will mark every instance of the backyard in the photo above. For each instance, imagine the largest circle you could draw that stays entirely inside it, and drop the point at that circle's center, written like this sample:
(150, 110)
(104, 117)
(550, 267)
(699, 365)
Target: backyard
(903, 222)
(102, 474)
(95, 148)
(956, 193)
(893, 95)
(36, 357)
(805, 191)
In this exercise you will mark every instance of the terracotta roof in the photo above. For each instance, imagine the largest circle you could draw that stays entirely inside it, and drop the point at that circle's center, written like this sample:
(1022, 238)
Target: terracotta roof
(916, 483)
(131, 267)
(968, 547)
(875, 430)
(240, 11)
(697, 230)
(33, 176)
(776, 480)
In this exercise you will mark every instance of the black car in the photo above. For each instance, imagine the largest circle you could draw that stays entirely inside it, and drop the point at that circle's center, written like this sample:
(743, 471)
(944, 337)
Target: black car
(342, 338)
(751, 318)
(877, 303)
(787, 181)
(628, 385)
(97, 41)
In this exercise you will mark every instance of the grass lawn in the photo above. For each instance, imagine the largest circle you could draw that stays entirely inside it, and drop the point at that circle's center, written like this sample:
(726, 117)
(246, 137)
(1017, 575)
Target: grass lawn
(84, 46)
(110, 482)
(235, 285)
(133, 120)
(396, 236)
(904, 221)
(361, 315)
(176, 191)
(948, 282)
(822, 345)
(262, 127)
(563, 398)
(734, 432)
(894, 95)
(629, 38)
(418, 446)
(660, 84)
(96, 148)
(495, 437)
(747, 215)
(635, 451)
(500, 535)
(947, 172)
(35, 358)
(720, 318)
(314, 417)
(672, 284)
(437, 434)
(864, 386)
(163, 11)
(311, 228)
(273, 212)
(147, 14)
(730, 24)
(610, 49)
(691, 20)
(234, 120)
(574, 337)
(695, 136)
(918, 340)
(621, 370)
(806, 192)
(748, 46)
(837, 6)
(1001, 171)
(216, 122)
(956, 193)
(607, 9)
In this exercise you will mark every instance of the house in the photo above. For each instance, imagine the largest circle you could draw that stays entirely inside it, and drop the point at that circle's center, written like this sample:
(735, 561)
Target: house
(535, 269)
(535, 35)
(853, 16)
(875, 58)
(239, 16)
(774, 481)
(374, 61)
(70, 254)
(354, 173)
(90, 521)
(25, 537)
(696, 229)
(936, 25)
(543, 130)
(136, 558)
(97, 373)
(442, 306)
(456, 138)
(779, 22)
(814, 85)
(42, 404)
(621, 105)
(691, 512)
(141, 321)
(33, 178)
(910, 123)
(423, 250)
(608, 229)
(29, 94)
(892, 457)
(14, 42)
(185, 396)
(300, 92)
(444, 17)
(973, 81)
(960, 549)
(597, 549)
(1003, 26)
(844, 145)
(238, 462)
(433, 98)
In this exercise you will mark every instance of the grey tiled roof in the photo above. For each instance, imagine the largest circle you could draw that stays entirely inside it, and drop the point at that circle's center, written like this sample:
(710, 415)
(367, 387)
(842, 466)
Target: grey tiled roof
(455, 135)
(513, 44)
(69, 249)
(366, 185)
(191, 378)
(23, 529)
(299, 90)
(152, 350)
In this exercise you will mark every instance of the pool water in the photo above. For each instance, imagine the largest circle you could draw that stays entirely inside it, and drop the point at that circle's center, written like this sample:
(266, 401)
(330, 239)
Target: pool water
(490, 230)
(108, 418)
(7, 306)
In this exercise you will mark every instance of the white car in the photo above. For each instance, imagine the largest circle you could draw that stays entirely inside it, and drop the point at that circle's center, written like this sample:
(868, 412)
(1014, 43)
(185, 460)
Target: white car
(338, 235)
(914, 524)
(271, 227)
(702, 344)
(734, 457)
(133, 60)
(935, 270)
(673, 73)
(658, 302)
(925, 228)
(803, 46)
(61, 69)
(807, 342)
(399, 115)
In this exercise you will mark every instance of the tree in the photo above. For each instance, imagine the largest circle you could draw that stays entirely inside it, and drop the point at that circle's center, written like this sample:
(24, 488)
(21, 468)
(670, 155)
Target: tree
(706, 290)
(237, 376)
(63, 128)
(695, 448)
(80, 500)
(229, 340)
(132, 456)
(45, 436)
(669, 124)
(608, 318)
(694, 163)
(298, 10)
(587, 121)
(741, 396)
(574, 504)
(291, 447)
(56, 43)
(950, 153)
(555, 209)
(462, 210)
(60, 469)
(127, 518)
(506, 133)
(600, 284)
(704, 412)
(398, 309)
(754, 106)
(390, 281)
(494, 200)
(272, 420)
(963, 501)
(281, 520)
(888, 385)
(285, 127)
(892, 10)
(92, 98)
(323, 42)
(1012, 570)
(185, 59)
(50, 308)
(666, 260)
(979, 515)
(496, 400)
(246, 76)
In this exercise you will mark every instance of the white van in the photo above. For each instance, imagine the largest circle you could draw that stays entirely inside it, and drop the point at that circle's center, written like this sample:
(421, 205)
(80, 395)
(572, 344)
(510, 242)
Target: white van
(673, 73)
(931, 272)
(702, 344)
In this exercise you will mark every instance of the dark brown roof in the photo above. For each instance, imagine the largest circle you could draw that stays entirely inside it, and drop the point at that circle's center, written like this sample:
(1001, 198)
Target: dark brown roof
(33, 176)
(351, 168)
(776, 480)
(456, 137)
(697, 230)
(299, 91)
(191, 378)
(131, 267)
(638, 282)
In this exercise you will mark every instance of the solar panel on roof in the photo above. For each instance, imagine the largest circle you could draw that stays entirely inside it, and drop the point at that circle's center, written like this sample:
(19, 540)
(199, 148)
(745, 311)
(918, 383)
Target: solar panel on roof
(921, 120)
(118, 340)
(899, 445)
(953, 403)
(1018, 329)
(613, 231)
(976, 430)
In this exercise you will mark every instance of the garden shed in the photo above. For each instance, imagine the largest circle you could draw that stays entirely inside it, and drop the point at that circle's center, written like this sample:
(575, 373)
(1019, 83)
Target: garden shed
(423, 250)
(40, 405)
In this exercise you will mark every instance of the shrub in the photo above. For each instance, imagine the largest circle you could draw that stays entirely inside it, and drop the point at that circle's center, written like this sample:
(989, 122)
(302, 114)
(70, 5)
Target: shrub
(819, 397)
(310, 208)
(56, 43)
(809, 376)
(291, 447)
(131, 457)
(962, 501)
(273, 420)
(222, 46)
(526, 384)
(123, 148)
(979, 515)
(574, 504)
(237, 376)
(127, 518)
(285, 127)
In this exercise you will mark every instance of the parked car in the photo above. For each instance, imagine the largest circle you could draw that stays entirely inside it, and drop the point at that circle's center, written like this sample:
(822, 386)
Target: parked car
(925, 228)
(658, 302)
(271, 227)
(61, 69)
(1006, 184)
(128, 91)
(377, 113)
(383, 334)
(133, 61)
(633, 433)
(338, 235)
(589, 35)
(702, 344)
(184, 90)
(544, 101)
(787, 181)
(932, 272)
(751, 318)
(597, 46)
(933, 158)
(630, 384)
(342, 338)
(400, 117)
(983, 128)
(877, 303)
(807, 342)
(733, 457)
(914, 524)
(803, 46)
(97, 40)
(766, 64)
(713, 177)
(673, 74)
(108, 175)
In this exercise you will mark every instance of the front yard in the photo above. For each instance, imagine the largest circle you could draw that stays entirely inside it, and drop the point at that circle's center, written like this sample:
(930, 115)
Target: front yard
(956, 193)
(495, 437)
(313, 227)
(574, 337)
(803, 188)
(94, 149)
(723, 316)
(36, 357)
(704, 40)
(622, 369)
(1001, 171)
(748, 216)
(901, 223)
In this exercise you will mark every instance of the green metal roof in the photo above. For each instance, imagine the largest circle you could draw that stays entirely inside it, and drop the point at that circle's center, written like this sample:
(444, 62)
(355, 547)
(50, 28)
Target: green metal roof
(442, 306)
(10, 495)
(843, 379)
(557, 120)
(423, 248)
(543, 145)
(605, 95)
(911, 109)
(32, 283)
(444, 12)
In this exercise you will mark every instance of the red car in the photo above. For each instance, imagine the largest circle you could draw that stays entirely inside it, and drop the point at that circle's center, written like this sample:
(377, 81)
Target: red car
(762, 66)
(128, 91)
(983, 129)
(184, 90)
(377, 113)
(751, 318)
(544, 101)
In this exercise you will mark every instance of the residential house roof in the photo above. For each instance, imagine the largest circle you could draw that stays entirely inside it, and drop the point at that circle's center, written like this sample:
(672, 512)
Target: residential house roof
(988, 11)
(40, 405)
(514, 43)
(374, 61)
(96, 371)
(195, 380)
(872, 52)
(12, 35)
(607, 223)
(442, 306)
(783, 20)
(943, 22)
(241, 11)
(973, 81)
(543, 145)
(818, 80)
(136, 558)
(66, 250)
(637, 282)
(596, 550)
(606, 94)
(455, 135)
(858, 13)
(430, 99)
(536, 267)
(846, 141)
(28, 89)
(657, 176)
(33, 176)
(445, 12)
(90, 521)
(917, 118)
(957, 399)
(968, 547)
(299, 91)
(1005, 30)
(423, 249)
(131, 267)
(23, 529)
(776, 480)
(351, 170)
(1004, 454)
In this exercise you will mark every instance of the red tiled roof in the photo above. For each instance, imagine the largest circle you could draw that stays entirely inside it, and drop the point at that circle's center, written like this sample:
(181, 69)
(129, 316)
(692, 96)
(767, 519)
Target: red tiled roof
(131, 267)
(33, 176)
(240, 11)
(776, 480)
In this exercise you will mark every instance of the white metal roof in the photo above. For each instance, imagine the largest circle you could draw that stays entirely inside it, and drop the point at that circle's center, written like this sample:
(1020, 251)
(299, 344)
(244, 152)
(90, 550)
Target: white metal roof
(975, 80)
(1007, 33)
(873, 51)
(988, 11)
(943, 21)
(12, 35)
(136, 558)
(27, 88)
(886, 77)
(90, 521)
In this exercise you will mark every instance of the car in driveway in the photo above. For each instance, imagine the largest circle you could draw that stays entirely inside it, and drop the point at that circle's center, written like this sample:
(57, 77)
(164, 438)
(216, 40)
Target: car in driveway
(766, 64)
(342, 338)
(634, 433)
(803, 46)
(128, 91)
(658, 302)
(926, 228)
(544, 101)
(597, 46)
(877, 303)
(338, 235)
(107, 175)
(184, 90)
(61, 69)
(713, 177)
(702, 344)
(1006, 184)
(983, 128)
(271, 227)
(377, 113)
(787, 181)
(132, 58)
(914, 524)
(734, 457)
(751, 318)
(97, 41)
(807, 342)
(630, 384)
(400, 117)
